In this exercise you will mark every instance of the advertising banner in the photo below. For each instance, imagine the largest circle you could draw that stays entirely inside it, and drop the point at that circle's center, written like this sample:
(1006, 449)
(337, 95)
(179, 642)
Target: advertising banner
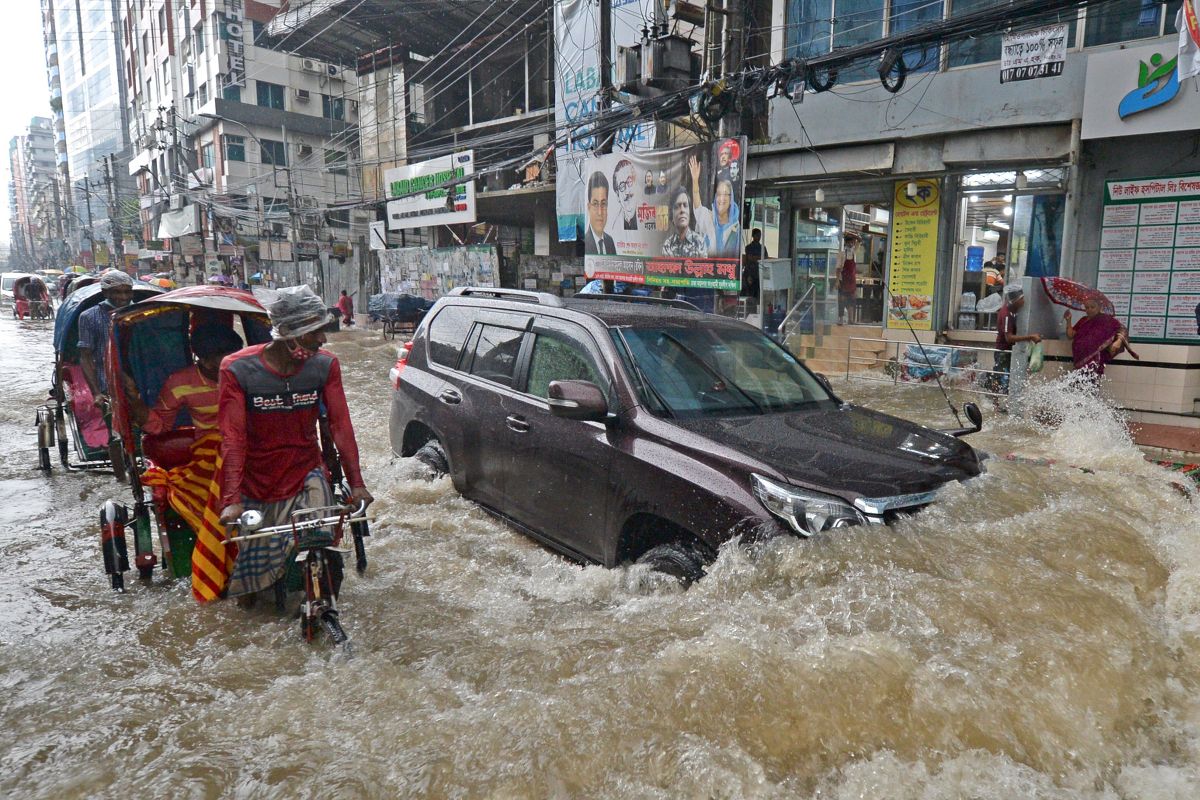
(577, 92)
(1039, 53)
(434, 205)
(232, 32)
(1150, 256)
(667, 217)
(912, 268)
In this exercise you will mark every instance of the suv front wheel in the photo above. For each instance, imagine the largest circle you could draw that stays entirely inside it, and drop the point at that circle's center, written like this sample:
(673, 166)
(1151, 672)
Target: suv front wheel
(433, 456)
(676, 559)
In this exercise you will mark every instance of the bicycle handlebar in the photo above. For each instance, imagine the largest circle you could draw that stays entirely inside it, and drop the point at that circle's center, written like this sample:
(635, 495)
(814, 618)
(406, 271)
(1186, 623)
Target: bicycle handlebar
(345, 514)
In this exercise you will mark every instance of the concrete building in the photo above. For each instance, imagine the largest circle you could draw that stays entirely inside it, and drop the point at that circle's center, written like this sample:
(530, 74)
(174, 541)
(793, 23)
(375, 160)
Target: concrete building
(1025, 169)
(245, 151)
(477, 76)
(36, 211)
(89, 98)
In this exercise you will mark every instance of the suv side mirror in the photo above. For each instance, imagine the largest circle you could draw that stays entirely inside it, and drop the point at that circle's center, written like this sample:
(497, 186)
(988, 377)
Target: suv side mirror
(581, 400)
(974, 416)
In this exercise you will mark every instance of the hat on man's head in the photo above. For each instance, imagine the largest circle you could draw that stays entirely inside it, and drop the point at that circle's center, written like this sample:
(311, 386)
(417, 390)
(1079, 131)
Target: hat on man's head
(114, 278)
(1013, 292)
(294, 311)
(214, 339)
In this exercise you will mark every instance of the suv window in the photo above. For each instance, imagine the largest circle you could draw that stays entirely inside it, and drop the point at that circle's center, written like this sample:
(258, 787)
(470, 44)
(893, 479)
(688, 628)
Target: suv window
(495, 353)
(447, 332)
(557, 358)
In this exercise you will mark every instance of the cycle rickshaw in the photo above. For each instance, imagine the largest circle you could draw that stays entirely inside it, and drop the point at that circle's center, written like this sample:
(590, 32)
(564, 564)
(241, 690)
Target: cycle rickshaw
(172, 474)
(399, 313)
(32, 297)
(71, 421)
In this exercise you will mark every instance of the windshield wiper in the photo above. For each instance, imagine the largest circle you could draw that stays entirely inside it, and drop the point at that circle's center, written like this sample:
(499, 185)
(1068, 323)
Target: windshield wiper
(641, 376)
(712, 371)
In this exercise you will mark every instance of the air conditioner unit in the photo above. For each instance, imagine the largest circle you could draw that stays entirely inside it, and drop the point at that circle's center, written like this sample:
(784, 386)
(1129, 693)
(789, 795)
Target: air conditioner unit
(148, 141)
(306, 150)
(311, 65)
(302, 95)
(309, 218)
(333, 71)
(177, 202)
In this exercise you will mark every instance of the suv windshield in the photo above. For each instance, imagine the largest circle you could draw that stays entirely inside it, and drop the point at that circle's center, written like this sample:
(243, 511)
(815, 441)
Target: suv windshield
(714, 371)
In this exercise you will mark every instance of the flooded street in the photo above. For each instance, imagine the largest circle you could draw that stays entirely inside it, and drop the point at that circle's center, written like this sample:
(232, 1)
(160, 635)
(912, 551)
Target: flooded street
(1034, 634)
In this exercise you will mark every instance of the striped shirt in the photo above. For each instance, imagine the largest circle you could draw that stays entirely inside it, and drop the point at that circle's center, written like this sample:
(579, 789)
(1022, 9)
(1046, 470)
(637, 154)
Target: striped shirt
(185, 388)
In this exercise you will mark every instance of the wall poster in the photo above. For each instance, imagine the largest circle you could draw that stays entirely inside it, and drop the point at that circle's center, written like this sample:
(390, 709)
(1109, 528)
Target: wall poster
(912, 268)
(1150, 256)
(666, 217)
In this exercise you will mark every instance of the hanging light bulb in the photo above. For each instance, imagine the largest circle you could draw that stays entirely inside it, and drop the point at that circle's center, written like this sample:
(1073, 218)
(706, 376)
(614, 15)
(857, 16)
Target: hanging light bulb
(1008, 211)
(1022, 181)
(819, 195)
(911, 189)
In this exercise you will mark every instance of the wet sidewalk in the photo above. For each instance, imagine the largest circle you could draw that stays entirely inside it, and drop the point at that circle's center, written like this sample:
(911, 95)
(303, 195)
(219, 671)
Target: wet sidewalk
(1172, 439)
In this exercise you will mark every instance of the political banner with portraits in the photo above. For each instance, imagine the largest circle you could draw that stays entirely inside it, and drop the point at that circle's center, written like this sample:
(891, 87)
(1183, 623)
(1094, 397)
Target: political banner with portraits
(667, 217)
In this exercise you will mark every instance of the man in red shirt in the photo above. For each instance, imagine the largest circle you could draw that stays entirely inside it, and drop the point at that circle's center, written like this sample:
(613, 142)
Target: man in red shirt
(270, 399)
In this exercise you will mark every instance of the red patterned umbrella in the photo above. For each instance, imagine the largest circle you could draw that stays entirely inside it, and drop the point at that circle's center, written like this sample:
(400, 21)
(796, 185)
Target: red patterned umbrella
(1073, 294)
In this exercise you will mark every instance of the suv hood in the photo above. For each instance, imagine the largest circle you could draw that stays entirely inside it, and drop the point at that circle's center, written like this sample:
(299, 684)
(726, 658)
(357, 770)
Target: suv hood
(844, 450)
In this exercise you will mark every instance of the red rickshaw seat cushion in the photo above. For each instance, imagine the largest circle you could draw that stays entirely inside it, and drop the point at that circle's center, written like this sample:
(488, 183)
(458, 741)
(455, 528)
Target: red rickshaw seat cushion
(169, 449)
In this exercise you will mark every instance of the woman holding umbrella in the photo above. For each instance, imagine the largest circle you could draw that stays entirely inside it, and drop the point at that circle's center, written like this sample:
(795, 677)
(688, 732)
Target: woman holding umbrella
(1096, 339)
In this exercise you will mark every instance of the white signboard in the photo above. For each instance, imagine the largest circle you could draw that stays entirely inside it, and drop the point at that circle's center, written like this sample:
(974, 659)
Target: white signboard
(1137, 91)
(422, 197)
(1039, 53)
(378, 237)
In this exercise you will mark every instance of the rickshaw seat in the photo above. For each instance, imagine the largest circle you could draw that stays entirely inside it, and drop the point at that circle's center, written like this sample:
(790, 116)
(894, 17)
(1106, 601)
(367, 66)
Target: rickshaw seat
(169, 449)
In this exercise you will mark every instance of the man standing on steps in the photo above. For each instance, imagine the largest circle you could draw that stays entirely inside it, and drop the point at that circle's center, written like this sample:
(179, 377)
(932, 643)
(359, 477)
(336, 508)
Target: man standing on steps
(270, 399)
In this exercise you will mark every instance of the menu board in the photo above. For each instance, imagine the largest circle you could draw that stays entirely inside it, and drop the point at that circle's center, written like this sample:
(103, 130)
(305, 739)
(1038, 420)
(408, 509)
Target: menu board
(1150, 256)
(913, 264)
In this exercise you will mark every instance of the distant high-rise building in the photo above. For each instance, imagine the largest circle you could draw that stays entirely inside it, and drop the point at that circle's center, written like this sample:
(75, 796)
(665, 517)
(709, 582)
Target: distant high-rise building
(89, 97)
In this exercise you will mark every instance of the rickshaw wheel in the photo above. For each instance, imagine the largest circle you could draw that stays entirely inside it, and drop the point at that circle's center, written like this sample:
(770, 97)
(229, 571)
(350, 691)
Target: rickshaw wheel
(389, 329)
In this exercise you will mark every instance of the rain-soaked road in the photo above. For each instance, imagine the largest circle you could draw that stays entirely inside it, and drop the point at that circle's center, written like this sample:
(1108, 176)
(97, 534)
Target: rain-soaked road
(1033, 635)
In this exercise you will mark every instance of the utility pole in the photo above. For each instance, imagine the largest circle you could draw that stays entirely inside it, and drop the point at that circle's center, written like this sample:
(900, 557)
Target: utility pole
(606, 92)
(731, 59)
(114, 224)
(58, 221)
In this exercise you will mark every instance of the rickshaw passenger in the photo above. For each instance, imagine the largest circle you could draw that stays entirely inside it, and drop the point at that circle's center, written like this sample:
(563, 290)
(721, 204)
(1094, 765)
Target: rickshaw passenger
(270, 396)
(193, 387)
(21, 298)
(94, 328)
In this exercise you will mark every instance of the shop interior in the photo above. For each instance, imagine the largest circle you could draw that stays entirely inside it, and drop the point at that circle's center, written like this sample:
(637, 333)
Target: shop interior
(817, 253)
(1010, 226)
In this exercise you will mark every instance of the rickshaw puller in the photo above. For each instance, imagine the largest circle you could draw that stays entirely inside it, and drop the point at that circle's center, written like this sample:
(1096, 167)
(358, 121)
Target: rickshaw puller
(270, 400)
(94, 327)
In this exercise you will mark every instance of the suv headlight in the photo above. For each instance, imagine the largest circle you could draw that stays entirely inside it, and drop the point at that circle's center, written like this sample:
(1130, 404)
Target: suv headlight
(806, 511)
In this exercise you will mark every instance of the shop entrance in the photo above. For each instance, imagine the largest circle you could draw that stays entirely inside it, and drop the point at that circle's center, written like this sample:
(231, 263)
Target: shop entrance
(824, 240)
(1010, 225)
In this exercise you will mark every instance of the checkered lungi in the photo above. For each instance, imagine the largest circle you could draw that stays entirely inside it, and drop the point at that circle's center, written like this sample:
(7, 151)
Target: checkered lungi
(262, 562)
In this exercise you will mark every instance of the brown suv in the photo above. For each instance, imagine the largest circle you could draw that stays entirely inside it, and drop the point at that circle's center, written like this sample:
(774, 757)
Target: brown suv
(618, 429)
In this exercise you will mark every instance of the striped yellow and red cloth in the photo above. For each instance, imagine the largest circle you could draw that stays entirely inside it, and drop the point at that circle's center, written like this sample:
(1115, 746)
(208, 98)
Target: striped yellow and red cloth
(193, 490)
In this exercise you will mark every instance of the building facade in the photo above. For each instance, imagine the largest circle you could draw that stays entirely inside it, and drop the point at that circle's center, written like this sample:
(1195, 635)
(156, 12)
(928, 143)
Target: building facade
(38, 216)
(242, 152)
(1011, 172)
(89, 98)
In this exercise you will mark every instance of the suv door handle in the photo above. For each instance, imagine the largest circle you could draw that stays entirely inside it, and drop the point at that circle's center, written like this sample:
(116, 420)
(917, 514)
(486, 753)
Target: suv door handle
(516, 423)
(450, 397)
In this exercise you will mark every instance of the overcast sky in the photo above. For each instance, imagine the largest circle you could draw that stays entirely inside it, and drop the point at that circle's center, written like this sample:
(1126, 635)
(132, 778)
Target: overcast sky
(23, 77)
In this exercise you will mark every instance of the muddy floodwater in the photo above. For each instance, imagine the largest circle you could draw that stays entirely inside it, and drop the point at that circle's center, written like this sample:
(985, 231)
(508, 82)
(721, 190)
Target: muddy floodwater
(1036, 634)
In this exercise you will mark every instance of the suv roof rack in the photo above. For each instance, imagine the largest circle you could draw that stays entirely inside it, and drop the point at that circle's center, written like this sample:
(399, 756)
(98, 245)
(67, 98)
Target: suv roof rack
(541, 298)
(633, 298)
